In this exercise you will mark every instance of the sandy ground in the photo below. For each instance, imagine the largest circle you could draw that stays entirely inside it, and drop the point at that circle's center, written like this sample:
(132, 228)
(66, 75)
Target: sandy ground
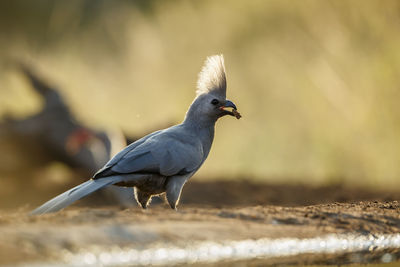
(212, 211)
(39, 238)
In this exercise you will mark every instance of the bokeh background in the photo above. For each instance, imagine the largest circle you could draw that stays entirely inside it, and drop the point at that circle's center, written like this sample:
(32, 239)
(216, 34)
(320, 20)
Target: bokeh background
(317, 82)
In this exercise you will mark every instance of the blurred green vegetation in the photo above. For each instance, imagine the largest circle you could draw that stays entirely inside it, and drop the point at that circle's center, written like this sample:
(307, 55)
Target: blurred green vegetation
(317, 82)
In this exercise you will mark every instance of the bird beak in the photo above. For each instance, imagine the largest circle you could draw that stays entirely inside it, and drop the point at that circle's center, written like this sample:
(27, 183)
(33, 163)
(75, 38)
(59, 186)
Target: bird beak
(234, 112)
(229, 104)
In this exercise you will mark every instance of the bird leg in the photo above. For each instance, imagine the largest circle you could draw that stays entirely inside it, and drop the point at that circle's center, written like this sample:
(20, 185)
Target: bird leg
(143, 198)
(174, 189)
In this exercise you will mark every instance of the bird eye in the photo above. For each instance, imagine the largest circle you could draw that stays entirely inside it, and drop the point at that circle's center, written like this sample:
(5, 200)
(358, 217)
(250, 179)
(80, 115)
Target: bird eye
(214, 101)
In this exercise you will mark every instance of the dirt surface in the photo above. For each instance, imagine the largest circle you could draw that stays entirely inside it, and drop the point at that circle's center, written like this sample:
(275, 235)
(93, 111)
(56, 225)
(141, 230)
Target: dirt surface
(213, 211)
(29, 193)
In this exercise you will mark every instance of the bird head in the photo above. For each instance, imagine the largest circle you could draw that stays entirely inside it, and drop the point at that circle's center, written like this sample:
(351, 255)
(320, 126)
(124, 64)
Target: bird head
(211, 101)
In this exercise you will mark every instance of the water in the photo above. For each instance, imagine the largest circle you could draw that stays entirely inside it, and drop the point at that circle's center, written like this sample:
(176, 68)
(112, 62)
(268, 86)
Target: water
(211, 252)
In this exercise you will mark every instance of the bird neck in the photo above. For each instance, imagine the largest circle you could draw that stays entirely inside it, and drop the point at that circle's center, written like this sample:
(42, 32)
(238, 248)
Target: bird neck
(202, 131)
(203, 127)
(198, 122)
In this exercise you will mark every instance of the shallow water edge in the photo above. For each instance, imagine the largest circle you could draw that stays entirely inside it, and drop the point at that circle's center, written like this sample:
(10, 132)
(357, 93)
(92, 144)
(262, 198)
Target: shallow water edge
(212, 252)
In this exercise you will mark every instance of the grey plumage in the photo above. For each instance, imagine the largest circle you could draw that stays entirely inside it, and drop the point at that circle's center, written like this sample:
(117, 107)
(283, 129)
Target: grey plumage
(163, 161)
(73, 195)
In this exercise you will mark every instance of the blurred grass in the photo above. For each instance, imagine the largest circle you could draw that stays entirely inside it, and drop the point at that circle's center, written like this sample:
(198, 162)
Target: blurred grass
(316, 81)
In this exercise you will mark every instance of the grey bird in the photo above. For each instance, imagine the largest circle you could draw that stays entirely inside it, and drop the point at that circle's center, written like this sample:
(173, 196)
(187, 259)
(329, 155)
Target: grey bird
(163, 161)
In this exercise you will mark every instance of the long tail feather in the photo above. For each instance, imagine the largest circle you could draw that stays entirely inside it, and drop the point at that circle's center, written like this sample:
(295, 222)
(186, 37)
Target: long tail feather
(74, 194)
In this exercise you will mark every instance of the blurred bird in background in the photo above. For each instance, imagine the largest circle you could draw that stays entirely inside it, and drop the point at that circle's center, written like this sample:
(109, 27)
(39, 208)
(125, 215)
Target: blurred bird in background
(60, 137)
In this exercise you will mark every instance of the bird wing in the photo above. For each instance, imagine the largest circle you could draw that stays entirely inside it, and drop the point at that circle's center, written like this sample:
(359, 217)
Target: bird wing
(114, 160)
(165, 152)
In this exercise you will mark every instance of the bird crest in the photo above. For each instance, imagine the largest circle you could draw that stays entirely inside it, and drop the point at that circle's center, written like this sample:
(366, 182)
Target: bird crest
(212, 78)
